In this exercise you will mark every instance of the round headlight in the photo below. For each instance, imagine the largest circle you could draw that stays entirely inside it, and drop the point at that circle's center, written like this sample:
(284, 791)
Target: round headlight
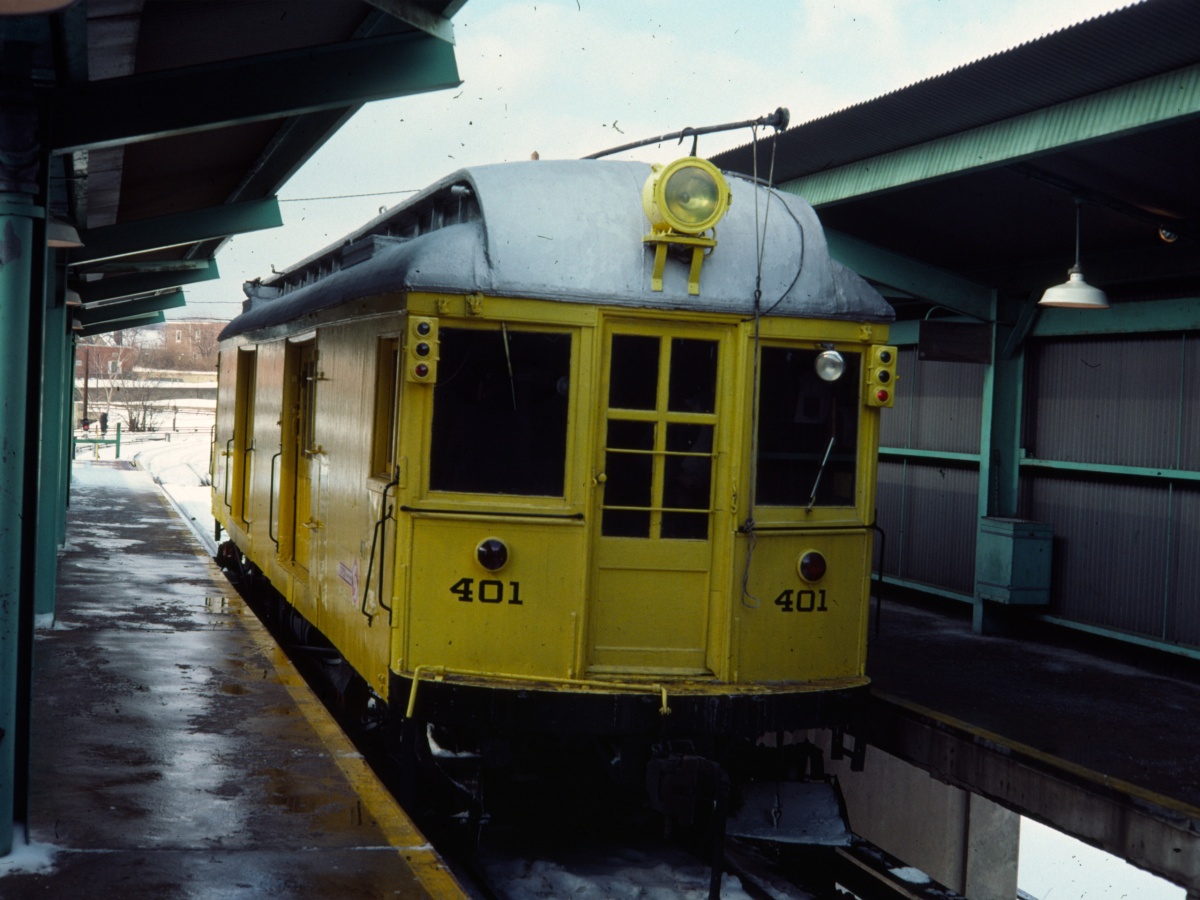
(492, 554)
(811, 566)
(830, 365)
(689, 196)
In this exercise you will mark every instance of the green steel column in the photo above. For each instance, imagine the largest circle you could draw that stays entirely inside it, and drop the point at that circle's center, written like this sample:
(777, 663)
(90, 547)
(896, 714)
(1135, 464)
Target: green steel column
(51, 489)
(999, 441)
(19, 158)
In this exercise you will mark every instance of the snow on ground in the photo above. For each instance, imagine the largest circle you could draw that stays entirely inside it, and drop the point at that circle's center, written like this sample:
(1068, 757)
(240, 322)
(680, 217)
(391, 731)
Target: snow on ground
(177, 459)
(26, 857)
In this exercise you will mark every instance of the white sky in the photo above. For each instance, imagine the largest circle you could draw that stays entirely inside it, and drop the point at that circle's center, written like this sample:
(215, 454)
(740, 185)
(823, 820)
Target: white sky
(571, 77)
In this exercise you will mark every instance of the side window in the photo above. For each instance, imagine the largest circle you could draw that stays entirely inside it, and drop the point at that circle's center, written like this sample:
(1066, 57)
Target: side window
(383, 439)
(500, 412)
(807, 431)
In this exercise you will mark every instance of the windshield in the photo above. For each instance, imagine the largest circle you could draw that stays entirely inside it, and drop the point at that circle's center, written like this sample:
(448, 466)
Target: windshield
(500, 412)
(807, 431)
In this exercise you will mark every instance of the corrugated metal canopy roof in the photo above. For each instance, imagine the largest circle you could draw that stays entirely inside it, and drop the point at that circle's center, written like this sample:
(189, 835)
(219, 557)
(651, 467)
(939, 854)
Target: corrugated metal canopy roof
(964, 183)
(175, 122)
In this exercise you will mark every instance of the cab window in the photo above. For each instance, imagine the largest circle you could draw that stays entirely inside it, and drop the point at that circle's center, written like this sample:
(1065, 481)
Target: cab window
(500, 412)
(807, 431)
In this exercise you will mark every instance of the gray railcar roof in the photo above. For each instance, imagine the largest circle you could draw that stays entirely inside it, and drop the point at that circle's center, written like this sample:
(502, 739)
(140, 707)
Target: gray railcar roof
(571, 230)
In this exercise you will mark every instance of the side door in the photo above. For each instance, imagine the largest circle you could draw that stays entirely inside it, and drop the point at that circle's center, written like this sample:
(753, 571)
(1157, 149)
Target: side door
(303, 418)
(653, 545)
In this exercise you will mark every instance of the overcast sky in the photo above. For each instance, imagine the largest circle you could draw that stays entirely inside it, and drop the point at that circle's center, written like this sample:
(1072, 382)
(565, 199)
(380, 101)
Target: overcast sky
(570, 77)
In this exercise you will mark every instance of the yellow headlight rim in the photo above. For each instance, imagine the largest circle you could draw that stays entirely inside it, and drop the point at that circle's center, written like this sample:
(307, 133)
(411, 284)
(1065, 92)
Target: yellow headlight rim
(685, 181)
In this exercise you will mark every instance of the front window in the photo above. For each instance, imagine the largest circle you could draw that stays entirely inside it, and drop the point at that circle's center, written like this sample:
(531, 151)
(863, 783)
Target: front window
(807, 431)
(500, 412)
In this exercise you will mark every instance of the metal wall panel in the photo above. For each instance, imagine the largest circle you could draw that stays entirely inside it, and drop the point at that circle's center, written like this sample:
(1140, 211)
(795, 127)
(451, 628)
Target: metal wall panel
(929, 513)
(937, 406)
(1183, 574)
(1108, 401)
(1110, 550)
(1189, 445)
(889, 497)
(948, 406)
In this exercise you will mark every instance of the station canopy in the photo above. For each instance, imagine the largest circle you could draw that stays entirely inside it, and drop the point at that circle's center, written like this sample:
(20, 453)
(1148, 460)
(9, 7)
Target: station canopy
(968, 183)
(173, 123)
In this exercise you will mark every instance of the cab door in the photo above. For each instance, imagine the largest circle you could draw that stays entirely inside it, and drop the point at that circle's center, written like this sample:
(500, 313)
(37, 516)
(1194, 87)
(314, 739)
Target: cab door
(653, 547)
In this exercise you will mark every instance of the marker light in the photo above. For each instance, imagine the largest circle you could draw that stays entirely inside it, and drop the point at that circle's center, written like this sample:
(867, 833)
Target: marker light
(811, 566)
(492, 554)
(688, 196)
(830, 365)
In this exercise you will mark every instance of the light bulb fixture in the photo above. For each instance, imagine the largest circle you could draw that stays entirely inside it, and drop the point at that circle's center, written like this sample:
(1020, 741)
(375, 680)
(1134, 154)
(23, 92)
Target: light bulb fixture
(1075, 293)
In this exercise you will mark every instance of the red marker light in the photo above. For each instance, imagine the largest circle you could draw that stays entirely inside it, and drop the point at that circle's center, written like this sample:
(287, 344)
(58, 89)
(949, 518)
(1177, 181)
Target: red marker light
(881, 395)
(421, 370)
(812, 566)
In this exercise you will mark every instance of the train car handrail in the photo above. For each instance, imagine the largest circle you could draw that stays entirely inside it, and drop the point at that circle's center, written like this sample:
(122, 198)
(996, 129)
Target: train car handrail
(271, 500)
(228, 455)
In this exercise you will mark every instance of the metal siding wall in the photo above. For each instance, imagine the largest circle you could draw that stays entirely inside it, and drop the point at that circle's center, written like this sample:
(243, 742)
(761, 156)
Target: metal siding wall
(941, 514)
(929, 514)
(948, 406)
(1125, 546)
(937, 406)
(1189, 444)
(1183, 610)
(1107, 401)
(1110, 552)
(889, 497)
(928, 509)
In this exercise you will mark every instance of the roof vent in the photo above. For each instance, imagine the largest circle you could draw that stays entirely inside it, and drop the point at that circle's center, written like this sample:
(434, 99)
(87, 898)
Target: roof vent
(362, 250)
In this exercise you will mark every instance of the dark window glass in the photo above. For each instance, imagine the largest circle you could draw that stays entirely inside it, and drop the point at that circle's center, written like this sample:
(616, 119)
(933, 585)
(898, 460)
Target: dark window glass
(500, 412)
(626, 523)
(693, 376)
(807, 431)
(633, 378)
(631, 435)
(629, 478)
(684, 470)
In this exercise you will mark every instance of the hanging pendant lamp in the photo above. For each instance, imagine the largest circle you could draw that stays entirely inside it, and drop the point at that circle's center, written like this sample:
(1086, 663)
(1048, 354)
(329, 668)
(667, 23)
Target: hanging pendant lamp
(1075, 292)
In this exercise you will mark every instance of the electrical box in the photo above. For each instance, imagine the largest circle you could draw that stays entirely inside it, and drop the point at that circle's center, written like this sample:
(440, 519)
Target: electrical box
(1012, 561)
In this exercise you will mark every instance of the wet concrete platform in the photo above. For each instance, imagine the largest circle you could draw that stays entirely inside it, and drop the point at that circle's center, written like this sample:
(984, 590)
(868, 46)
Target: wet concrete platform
(1122, 712)
(176, 753)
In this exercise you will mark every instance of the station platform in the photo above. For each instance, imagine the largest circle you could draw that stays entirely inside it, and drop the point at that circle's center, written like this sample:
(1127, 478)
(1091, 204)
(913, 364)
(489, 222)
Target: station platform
(1122, 713)
(176, 753)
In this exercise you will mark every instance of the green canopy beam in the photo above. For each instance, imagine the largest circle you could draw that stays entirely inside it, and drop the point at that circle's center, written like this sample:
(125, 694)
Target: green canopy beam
(118, 111)
(182, 228)
(886, 267)
(114, 286)
(130, 309)
(121, 324)
(1122, 110)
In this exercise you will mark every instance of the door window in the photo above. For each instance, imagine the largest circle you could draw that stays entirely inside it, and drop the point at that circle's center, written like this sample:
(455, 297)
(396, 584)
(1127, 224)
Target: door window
(659, 441)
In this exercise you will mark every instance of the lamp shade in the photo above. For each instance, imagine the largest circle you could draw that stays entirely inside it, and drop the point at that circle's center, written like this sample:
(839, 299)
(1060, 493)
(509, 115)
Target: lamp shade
(61, 234)
(1075, 293)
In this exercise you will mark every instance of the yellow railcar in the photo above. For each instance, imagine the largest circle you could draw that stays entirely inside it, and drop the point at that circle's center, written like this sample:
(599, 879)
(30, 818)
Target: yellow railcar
(539, 467)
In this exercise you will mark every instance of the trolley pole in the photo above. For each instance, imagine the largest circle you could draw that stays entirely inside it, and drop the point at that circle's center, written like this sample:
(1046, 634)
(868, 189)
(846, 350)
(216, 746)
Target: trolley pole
(19, 215)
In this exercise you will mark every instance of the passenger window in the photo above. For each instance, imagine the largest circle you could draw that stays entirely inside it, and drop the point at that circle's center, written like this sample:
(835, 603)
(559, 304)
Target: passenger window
(807, 431)
(500, 412)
